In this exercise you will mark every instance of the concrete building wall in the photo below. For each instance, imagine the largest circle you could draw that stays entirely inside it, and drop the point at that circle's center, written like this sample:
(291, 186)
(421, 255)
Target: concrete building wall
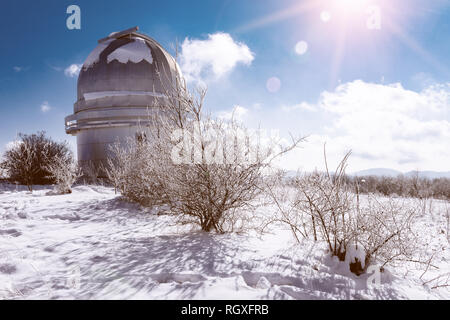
(94, 145)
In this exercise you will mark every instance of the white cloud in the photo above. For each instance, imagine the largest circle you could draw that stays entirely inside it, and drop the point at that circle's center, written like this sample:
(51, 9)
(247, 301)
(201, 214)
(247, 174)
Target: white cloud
(385, 126)
(72, 70)
(20, 69)
(213, 57)
(256, 106)
(237, 113)
(301, 106)
(45, 107)
(58, 69)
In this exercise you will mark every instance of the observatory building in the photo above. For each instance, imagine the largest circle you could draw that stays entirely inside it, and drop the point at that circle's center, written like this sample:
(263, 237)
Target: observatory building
(117, 85)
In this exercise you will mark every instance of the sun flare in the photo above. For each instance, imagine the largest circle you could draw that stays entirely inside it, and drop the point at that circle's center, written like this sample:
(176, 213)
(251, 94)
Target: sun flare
(350, 5)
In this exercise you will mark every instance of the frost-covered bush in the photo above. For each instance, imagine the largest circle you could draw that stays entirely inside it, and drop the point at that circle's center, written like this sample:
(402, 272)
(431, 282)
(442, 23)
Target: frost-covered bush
(328, 201)
(64, 171)
(91, 172)
(329, 209)
(3, 173)
(188, 163)
(385, 229)
(132, 171)
(26, 162)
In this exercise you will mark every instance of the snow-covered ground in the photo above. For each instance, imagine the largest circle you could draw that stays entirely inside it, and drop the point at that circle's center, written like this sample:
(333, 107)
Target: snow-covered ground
(93, 245)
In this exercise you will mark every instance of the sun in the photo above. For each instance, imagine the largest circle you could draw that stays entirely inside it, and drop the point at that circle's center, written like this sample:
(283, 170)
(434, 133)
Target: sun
(344, 11)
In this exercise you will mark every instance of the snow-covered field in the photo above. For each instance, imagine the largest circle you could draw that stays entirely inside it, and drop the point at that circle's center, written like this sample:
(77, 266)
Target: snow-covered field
(93, 245)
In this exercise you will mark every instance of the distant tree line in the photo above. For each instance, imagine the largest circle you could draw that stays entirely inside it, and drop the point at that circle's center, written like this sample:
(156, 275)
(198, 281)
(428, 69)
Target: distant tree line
(404, 186)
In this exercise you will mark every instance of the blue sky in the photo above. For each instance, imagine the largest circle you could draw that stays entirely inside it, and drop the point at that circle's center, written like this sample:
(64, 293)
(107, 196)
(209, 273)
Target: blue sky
(382, 92)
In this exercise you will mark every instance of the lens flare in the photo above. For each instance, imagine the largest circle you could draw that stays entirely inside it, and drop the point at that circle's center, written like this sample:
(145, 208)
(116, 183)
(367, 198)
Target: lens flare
(273, 84)
(325, 16)
(301, 47)
(350, 5)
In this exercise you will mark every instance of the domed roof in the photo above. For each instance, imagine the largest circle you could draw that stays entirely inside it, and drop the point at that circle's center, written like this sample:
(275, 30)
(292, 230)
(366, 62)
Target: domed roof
(125, 64)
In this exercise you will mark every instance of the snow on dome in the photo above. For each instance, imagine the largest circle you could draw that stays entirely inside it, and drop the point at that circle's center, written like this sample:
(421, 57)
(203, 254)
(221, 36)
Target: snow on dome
(135, 51)
(104, 94)
(94, 56)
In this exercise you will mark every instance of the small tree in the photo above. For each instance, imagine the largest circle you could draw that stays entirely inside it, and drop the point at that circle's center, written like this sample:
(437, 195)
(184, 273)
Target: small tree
(27, 161)
(202, 169)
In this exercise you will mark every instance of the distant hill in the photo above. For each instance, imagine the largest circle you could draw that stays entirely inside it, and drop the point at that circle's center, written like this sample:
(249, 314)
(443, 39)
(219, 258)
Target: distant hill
(377, 172)
(393, 173)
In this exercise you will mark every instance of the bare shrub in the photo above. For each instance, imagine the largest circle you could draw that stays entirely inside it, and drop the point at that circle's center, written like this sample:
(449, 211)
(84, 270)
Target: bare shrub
(188, 163)
(132, 171)
(440, 281)
(91, 172)
(287, 204)
(356, 231)
(27, 161)
(328, 201)
(64, 171)
(385, 230)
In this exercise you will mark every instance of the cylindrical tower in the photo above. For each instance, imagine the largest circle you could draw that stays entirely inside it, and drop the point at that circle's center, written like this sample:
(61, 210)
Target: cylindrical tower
(117, 85)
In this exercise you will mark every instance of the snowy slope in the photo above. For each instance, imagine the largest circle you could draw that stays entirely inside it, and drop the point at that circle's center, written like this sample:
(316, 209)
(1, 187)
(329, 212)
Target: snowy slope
(93, 245)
